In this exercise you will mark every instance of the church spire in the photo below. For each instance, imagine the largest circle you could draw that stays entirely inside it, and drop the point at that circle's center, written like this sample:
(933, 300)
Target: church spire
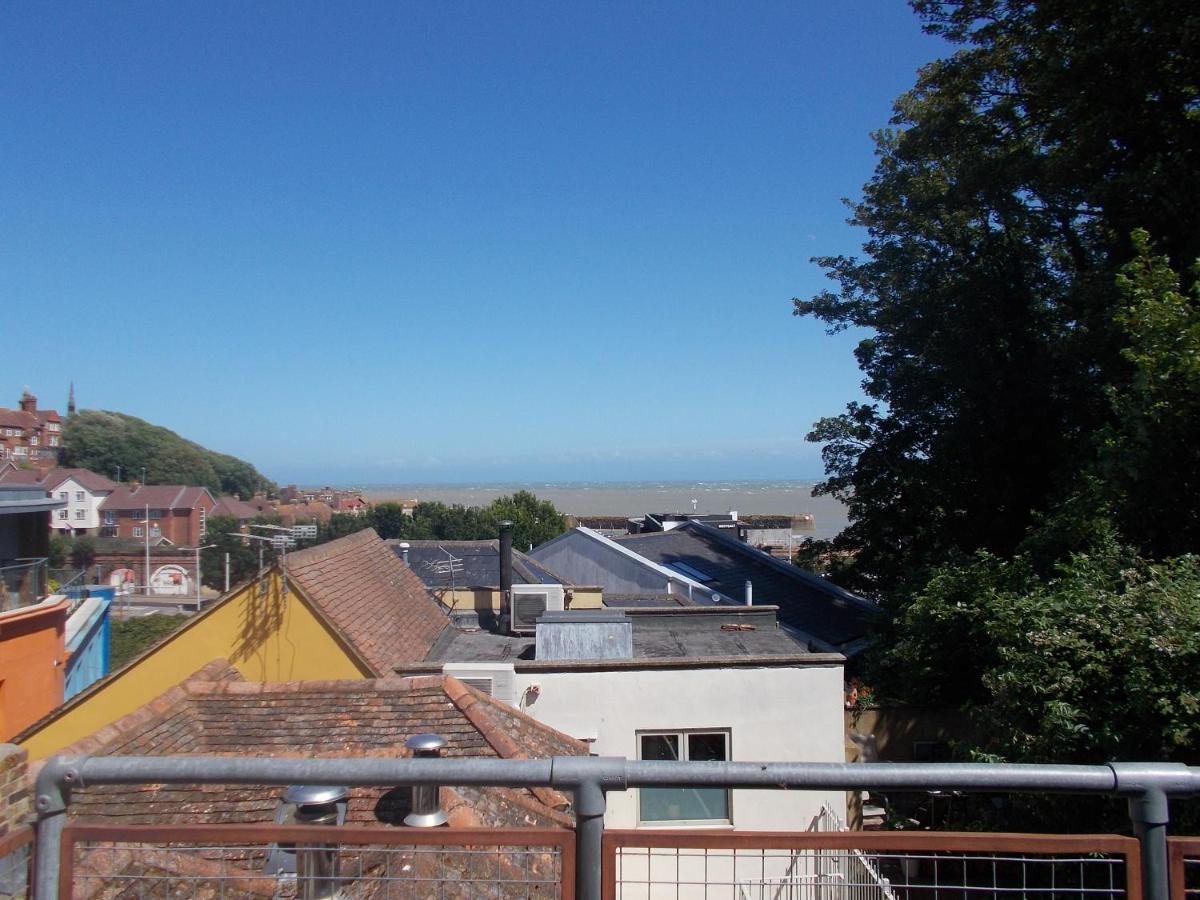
(71, 401)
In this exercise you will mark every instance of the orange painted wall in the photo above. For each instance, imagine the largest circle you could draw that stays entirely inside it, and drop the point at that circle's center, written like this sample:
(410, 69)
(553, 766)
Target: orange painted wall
(32, 664)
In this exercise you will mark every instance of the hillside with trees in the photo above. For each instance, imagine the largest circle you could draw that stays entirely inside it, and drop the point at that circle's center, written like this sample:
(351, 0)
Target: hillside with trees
(1021, 477)
(103, 441)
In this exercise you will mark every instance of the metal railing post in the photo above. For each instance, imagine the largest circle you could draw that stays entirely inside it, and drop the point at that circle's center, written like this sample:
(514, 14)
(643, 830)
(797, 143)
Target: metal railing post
(589, 779)
(52, 796)
(1146, 786)
(1150, 814)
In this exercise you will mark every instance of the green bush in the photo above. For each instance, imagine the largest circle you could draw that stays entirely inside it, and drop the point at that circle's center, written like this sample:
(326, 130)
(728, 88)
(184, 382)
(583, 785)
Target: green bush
(131, 637)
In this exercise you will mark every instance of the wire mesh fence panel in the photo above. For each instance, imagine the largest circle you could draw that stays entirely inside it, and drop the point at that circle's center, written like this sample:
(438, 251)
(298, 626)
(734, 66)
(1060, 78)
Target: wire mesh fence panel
(1185, 868)
(857, 866)
(15, 858)
(455, 864)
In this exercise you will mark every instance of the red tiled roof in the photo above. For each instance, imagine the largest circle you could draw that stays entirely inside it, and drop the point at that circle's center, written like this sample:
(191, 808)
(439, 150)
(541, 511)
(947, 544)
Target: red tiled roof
(20, 476)
(17, 418)
(377, 603)
(159, 496)
(359, 718)
(232, 506)
(85, 477)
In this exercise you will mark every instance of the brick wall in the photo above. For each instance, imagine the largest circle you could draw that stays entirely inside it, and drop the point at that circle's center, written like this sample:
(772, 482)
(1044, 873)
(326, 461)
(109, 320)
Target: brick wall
(15, 804)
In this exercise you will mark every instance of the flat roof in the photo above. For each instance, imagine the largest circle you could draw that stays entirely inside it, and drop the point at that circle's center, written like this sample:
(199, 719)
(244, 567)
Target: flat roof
(662, 637)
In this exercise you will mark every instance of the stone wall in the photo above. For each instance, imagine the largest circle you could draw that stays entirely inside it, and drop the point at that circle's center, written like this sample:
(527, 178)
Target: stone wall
(15, 805)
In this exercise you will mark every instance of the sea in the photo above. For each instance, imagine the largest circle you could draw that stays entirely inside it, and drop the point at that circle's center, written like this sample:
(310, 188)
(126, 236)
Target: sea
(634, 498)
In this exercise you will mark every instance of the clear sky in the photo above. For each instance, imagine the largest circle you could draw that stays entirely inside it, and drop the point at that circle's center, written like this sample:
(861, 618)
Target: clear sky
(429, 241)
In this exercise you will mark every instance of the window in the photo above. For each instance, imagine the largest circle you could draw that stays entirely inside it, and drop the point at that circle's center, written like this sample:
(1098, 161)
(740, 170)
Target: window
(203, 523)
(154, 531)
(137, 530)
(62, 495)
(110, 517)
(62, 513)
(53, 441)
(707, 805)
(20, 451)
(156, 513)
(33, 441)
(79, 496)
(80, 513)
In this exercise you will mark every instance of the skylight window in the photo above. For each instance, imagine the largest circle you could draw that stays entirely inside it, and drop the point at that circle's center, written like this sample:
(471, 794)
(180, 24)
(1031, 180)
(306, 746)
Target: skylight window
(690, 571)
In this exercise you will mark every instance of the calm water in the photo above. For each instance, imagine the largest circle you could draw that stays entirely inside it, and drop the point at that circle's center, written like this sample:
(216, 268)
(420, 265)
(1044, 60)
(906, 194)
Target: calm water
(632, 498)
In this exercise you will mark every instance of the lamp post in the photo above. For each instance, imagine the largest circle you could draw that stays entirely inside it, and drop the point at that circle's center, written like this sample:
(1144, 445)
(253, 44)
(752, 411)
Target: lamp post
(146, 575)
(198, 549)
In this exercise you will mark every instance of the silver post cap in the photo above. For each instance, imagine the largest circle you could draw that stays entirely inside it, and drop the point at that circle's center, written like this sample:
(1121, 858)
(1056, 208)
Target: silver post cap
(314, 794)
(425, 742)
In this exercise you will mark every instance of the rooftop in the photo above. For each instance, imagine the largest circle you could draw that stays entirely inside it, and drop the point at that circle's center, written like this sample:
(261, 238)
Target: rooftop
(158, 496)
(370, 597)
(807, 603)
(661, 636)
(480, 564)
(215, 713)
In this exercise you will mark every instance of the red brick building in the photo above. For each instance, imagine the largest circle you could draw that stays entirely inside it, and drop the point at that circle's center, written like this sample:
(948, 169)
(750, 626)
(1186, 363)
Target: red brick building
(30, 435)
(173, 512)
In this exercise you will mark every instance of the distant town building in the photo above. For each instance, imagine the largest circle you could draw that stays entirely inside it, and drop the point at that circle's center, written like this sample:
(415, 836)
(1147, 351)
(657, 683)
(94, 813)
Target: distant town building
(29, 435)
(172, 512)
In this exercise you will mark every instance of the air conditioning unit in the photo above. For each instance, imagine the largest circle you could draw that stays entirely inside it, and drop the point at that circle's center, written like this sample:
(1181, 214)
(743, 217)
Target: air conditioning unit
(529, 601)
(497, 680)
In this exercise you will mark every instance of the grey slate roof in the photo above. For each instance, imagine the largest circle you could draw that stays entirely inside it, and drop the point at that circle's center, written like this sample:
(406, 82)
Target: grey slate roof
(806, 602)
(480, 564)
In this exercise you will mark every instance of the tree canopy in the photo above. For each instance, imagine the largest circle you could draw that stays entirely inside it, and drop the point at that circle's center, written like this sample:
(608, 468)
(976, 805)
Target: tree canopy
(103, 441)
(534, 521)
(1021, 476)
(1003, 207)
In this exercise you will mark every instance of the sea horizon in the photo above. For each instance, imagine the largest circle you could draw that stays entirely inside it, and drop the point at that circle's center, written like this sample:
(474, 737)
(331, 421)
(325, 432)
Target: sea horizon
(634, 498)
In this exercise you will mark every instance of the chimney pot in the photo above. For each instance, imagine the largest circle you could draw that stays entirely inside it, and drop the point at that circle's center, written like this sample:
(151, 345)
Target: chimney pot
(749, 592)
(404, 546)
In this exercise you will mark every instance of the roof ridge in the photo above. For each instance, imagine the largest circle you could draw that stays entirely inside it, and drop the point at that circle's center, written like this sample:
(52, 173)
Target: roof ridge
(474, 704)
(332, 548)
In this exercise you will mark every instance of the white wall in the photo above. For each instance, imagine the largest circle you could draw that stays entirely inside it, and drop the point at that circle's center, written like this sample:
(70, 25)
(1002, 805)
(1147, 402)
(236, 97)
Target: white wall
(90, 505)
(791, 714)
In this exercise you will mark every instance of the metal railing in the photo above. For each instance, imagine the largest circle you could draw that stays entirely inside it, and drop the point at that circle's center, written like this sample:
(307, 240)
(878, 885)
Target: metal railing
(22, 582)
(1130, 868)
(805, 866)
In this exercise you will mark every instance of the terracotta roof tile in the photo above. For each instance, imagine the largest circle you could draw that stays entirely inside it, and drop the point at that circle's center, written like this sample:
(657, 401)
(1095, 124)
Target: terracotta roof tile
(371, 717)
(378, 604)
(158, 496)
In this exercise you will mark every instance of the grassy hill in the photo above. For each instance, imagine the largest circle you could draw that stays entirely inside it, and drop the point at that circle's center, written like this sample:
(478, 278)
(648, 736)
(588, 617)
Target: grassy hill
(102, 441)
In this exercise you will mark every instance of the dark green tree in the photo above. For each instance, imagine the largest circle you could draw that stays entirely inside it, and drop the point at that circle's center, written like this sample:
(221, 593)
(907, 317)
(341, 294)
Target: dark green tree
(223, 534)
(83, 551)
(534, 521)
(997, 220)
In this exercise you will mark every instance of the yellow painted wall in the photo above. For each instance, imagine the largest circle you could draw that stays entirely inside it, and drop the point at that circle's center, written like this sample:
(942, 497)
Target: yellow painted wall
(482, 598)
(267, 638)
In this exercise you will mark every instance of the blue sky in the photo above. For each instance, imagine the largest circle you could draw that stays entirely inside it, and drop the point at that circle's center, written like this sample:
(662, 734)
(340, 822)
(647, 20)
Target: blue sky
(443, 241)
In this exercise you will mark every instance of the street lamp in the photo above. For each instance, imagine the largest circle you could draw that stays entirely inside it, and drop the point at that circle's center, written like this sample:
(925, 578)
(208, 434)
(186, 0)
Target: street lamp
(198, 549)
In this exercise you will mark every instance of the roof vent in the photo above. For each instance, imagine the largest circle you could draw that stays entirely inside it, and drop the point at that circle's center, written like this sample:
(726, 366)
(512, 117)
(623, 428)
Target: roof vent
(584, 634)
(314, 865)
(426, 813)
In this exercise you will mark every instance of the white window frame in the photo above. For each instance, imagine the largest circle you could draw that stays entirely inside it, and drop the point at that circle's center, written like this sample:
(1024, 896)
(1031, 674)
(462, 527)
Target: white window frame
(62, 513)
(155, 531)
(81, 513)
(62, 495)
(682, 734)
(137, 531)
(110, 517)
(79, 496)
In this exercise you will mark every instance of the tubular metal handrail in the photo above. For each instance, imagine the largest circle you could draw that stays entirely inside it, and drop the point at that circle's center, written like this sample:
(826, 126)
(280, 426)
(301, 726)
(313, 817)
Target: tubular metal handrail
(1147, 786)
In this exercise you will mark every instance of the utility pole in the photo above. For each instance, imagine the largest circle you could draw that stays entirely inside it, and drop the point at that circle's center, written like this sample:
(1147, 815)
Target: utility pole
(227, 573)
(147, 524)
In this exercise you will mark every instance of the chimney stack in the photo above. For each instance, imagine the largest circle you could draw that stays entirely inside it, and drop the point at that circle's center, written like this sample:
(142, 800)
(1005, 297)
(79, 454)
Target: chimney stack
(506, 530)
(426, 812)
(28, 402)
